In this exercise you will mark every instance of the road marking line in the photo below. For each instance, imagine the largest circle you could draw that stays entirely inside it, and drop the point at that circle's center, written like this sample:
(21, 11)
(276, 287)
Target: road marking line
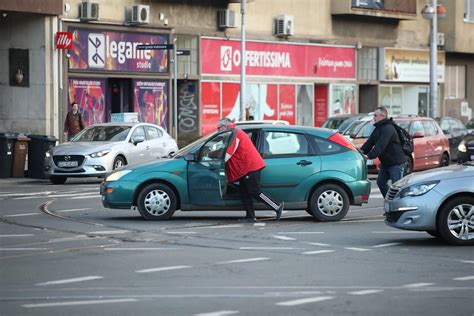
(27, 194)
(20, 215)
(71, 303)
(365, 292)
(109, 232)
(72, 210)
(86, 197)
(139, 249)
(283, 237)
(73, 280)
(386, 245)
(357, 249)
(17, 235)
(466, 278)
(244, 260)
(376, 196)
(418, 284)
(267, 248)
(178, 233)
(467, 261)
(316, 252)
(71, 195)
(290, 233)
(319, 244)
(305, 301)
(21, 249)
(162, 269)
(218, 313)
(397, 232)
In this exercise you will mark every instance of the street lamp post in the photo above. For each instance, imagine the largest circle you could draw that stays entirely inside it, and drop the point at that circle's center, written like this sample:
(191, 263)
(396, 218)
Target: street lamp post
(243, 61)
(429, 13)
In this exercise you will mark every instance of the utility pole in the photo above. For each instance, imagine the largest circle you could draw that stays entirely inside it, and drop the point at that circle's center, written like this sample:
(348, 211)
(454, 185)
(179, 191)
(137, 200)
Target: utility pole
(243, 61)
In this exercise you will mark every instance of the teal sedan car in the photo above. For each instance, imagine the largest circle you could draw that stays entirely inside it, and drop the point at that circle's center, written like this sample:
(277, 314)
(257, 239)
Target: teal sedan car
(312, 169)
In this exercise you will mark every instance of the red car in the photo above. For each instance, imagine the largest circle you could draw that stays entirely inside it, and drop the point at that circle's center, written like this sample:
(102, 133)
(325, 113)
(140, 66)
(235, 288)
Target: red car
(431, 146)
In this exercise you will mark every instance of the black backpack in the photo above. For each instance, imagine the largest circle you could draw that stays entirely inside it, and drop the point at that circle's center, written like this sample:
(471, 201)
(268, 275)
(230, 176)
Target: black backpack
(405, 139)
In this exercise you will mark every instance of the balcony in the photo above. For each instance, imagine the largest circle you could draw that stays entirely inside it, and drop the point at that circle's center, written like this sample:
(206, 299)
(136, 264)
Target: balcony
(385, 9)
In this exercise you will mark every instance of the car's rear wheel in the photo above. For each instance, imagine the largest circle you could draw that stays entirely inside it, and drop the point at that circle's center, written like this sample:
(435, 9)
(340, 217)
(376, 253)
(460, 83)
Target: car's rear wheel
(445, 160)
(456, 221)
(329, 203)
(408, 167)
(157, 202)
(57, 179)
(119, 162)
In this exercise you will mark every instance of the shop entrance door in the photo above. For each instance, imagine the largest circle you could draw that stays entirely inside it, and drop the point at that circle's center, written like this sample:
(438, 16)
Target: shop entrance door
(120, 91)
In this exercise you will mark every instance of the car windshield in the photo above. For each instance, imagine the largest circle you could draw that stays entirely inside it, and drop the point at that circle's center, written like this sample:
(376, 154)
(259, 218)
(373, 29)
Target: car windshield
(354, 127)
(189, 148)
(470, 124)
(403, 124)
(333, 123)
(103, 134)
(347, 123)
(366, 130)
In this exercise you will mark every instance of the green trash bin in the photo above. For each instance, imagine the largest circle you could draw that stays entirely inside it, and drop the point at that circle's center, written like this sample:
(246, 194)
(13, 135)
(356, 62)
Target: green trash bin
(7, 144)
(19, 156)
(37, 148)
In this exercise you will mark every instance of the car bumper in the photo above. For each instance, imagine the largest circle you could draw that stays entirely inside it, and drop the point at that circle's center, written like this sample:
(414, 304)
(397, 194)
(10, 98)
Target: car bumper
(360, 191)
(413, 213)
(89, 167)
(118, 194)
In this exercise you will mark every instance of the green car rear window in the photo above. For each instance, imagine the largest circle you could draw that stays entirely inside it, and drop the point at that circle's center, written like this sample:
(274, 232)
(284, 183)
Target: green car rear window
(327, 147)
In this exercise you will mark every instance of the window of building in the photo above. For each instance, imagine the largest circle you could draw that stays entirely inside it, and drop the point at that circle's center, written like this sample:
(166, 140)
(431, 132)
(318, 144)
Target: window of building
(188, 64)
(455, 82)
(469, 11)
(391, 97)
(367, 65)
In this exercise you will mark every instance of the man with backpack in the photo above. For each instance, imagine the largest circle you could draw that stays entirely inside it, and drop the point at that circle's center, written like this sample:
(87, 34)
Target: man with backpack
(386, 144)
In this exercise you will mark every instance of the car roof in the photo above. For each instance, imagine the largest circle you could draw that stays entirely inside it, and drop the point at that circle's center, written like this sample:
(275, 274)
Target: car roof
(325, 132)
(123, 124)
(258, 122)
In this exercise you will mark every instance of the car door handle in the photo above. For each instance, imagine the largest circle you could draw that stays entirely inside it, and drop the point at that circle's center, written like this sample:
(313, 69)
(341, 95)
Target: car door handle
(303, 163)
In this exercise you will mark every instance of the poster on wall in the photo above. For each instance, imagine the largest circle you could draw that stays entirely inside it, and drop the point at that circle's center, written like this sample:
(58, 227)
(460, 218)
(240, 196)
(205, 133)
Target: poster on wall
(343, 99)
(150, 101)
(188, 115)
(95, 49)
(287, 103)
(321, 104)
(210, 107)
(90, 96)
(304, 104)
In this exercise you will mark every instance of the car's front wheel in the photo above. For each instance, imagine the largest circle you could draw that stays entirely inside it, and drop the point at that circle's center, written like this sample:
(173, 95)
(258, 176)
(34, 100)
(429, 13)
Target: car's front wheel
(456, 221)
(119, 162)
(57, 179)
(329, 203)
(157, 202)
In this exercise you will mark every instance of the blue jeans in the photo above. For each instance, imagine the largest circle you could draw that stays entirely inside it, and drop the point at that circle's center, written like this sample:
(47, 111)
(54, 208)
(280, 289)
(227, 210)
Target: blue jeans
(393, 173)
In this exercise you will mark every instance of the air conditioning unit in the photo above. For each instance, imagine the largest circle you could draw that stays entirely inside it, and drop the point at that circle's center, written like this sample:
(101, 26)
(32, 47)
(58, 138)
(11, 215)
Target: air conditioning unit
(226, 18)
(284, 25)
(88, 11)
(440, 39)
(137, 14)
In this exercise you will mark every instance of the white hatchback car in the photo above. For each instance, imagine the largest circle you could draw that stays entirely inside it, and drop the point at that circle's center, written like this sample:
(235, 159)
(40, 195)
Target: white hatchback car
(102, 148)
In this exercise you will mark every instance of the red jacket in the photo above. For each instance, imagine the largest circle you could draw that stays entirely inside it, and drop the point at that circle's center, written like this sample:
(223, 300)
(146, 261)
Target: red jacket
(242, 157)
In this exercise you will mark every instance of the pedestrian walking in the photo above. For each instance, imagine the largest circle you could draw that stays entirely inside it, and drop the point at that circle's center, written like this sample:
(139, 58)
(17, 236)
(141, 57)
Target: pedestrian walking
(73, 123)
(244, 164)
(384, 143)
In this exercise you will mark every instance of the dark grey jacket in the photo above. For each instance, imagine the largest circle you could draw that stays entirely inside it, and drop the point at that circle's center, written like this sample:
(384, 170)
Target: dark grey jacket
(385, 144)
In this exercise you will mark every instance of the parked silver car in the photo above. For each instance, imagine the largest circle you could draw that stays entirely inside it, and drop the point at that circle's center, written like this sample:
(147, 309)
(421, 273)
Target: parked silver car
(102, 148)
(438, 201)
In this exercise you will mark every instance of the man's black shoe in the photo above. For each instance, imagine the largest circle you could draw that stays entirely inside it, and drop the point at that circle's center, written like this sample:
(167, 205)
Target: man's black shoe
(248, 220)
(279, 210)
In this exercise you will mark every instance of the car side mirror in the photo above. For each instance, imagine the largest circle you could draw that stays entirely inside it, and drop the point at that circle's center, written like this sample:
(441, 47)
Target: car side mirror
(138, 139)
(190, 157)
(418, 135)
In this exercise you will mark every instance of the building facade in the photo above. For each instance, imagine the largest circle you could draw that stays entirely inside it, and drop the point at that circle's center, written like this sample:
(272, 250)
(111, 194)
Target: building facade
(306, 60)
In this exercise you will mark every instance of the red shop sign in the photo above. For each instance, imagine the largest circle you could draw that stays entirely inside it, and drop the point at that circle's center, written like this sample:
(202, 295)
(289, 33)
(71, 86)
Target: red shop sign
(63, 40)
(223, 57)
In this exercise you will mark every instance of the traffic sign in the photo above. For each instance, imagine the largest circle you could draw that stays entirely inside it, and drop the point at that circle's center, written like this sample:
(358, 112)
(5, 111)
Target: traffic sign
(183, 52)
(155, 46)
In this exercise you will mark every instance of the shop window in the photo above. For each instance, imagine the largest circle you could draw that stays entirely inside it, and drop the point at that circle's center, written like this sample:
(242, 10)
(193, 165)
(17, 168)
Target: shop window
(391, 97)
(455, 82)
(367, 64)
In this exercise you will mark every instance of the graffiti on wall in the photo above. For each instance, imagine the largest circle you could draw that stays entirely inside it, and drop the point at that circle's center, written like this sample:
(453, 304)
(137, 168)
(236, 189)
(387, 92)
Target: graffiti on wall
(188, 115)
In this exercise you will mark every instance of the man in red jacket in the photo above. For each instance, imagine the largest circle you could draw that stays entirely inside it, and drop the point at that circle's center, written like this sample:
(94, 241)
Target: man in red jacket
(244, 164)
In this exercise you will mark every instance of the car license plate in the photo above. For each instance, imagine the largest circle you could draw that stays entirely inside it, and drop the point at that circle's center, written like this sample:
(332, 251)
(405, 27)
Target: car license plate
(370, 162)
(67, 164)
(387, 206)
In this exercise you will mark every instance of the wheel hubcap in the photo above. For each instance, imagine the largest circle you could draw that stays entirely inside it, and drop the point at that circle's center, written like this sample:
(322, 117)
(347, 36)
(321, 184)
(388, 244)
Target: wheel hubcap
(157, 202)
(461, 221)
(118, 164)
(330, 203)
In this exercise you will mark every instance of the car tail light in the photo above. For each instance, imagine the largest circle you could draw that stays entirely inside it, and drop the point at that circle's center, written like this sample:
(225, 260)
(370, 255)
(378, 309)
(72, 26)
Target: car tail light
(341, 140)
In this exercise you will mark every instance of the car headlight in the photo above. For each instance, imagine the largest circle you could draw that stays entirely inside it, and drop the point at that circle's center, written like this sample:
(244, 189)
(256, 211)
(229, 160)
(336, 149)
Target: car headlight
(100, 153)
(114, 176)
(462, 147)
(48, 154)
(418, 189)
